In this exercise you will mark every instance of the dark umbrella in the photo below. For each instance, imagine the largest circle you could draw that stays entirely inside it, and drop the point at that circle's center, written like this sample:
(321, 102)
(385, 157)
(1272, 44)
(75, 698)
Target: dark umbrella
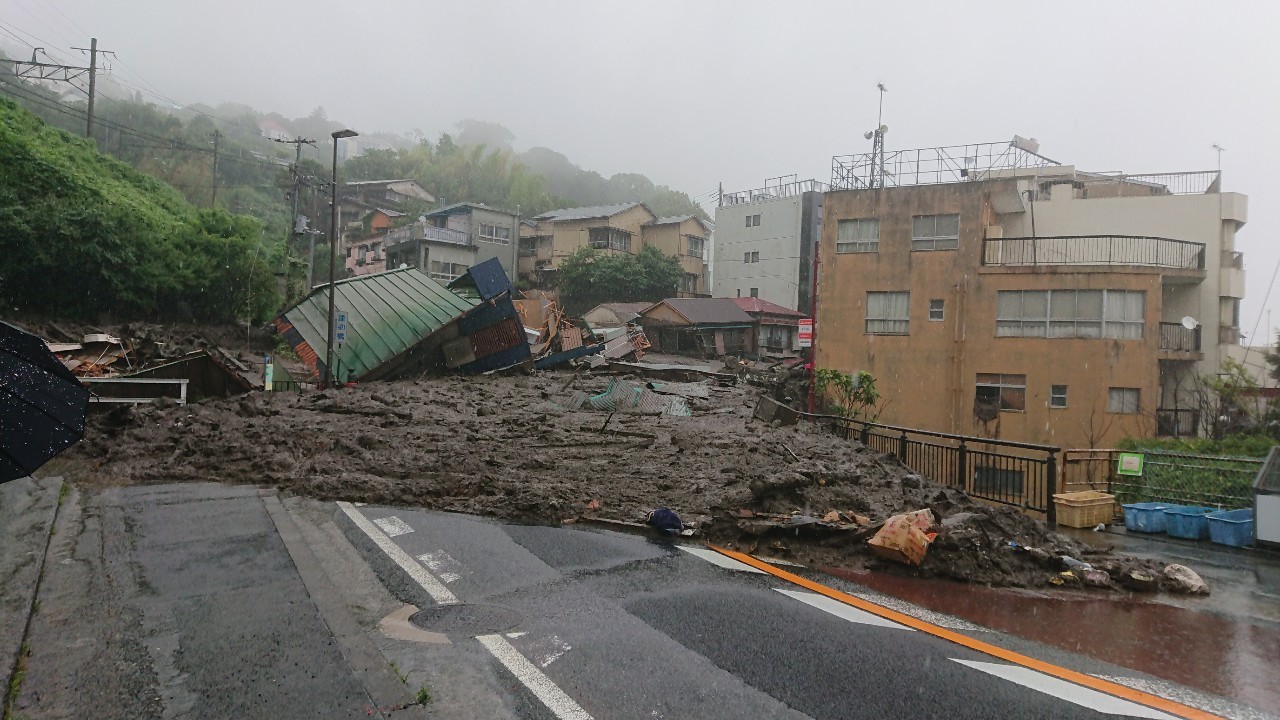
(42, 405)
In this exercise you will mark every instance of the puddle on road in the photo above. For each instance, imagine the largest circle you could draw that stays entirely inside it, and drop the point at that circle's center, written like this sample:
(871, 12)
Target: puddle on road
(1210, 652)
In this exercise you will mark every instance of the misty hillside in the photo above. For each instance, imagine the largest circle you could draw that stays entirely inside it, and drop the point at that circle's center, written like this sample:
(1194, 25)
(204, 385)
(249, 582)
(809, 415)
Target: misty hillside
(82, 232)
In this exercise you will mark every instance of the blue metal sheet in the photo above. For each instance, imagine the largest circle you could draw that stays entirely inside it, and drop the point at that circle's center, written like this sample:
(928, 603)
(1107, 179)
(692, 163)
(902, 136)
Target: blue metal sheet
(488, 278)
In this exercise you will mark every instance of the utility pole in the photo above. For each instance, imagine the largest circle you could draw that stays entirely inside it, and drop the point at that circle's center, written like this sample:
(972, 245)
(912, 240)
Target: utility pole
(217, 134)
(36, 70)
(292, 230)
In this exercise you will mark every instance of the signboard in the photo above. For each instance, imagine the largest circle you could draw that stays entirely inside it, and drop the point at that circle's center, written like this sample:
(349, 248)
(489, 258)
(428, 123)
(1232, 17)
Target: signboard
(806, 332)
(268, 373)
(1129, 464)
(340, 326)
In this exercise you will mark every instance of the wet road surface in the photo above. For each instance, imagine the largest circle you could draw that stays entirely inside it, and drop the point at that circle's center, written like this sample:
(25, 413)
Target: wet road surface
(598, 624)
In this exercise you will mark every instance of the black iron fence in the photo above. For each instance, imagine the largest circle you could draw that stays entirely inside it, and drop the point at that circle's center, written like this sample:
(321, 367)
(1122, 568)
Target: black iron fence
(1176, 336)
(1019, 474)
(1094, 250)
(1177, 422)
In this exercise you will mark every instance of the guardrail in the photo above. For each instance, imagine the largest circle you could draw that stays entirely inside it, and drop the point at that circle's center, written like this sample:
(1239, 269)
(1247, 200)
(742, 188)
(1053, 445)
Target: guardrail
(1094, 250)
(1023, 475)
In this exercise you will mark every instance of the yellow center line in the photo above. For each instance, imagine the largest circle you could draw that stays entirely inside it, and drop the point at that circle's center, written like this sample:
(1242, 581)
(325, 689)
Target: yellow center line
(1088, 681)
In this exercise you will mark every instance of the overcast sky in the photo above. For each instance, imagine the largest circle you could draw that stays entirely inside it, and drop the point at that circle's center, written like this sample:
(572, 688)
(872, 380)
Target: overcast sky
(697, 93)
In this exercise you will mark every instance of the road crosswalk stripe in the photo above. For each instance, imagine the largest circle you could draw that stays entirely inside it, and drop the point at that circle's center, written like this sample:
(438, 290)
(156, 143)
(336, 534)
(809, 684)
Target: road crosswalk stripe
(560, 704)
(436, 589)
(1069, 691)
(841, 610)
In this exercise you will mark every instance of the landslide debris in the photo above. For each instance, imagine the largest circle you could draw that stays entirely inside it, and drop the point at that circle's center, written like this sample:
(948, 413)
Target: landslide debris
(507, 447)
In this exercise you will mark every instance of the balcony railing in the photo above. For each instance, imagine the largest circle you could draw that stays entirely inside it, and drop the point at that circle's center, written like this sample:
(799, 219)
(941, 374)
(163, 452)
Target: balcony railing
(1177, 422)
(427, 232)
(1094, 250)
(1174, 336)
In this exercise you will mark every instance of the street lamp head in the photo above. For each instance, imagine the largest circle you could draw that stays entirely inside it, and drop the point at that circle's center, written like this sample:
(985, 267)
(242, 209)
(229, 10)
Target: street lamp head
(344, 134)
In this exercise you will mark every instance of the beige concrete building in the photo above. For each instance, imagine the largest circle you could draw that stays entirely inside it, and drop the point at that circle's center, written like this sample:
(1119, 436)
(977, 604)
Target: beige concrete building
(994, 292)
(685, 238)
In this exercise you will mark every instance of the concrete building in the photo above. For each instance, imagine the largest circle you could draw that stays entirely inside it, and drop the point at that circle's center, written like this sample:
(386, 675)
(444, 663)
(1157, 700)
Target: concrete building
(994, 292)
(684, 237)
(441, 253)
(493, 232)
(558, 234)
(764, 243)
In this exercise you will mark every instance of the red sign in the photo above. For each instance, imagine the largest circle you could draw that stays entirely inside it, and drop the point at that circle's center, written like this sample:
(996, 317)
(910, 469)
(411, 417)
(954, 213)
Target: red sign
(806, 333)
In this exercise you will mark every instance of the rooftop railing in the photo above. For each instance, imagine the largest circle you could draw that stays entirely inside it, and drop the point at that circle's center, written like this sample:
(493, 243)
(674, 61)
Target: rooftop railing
(1094, 250)
(773, 192)
(932, 166)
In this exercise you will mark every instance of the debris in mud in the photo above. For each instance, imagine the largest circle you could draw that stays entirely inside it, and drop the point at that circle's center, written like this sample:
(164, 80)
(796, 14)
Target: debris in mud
(503, 446)
(904, 538)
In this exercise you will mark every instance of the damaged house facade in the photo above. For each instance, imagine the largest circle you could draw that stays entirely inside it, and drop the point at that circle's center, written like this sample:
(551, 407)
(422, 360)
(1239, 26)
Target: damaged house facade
(994, 292)
(702, 327)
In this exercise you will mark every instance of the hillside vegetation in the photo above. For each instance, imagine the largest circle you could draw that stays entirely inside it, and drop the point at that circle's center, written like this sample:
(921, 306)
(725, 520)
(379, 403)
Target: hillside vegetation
(84, 234)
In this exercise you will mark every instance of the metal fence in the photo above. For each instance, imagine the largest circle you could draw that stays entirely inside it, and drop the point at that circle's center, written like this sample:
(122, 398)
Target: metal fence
(1176, 336)
(1178, 478)
(930, 166)
(1019, 474)
(1094, 250)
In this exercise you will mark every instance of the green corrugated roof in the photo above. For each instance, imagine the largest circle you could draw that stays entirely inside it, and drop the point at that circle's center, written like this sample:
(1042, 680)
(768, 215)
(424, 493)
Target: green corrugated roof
(387, 313)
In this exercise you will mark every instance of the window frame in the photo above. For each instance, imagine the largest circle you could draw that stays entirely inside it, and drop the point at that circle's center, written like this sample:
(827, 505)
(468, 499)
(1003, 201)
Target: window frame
(1055, 325)
(863, 245)
(1016, 387)
(1055, 396)
(886, 325)
(1126, 393)
(935, 241)
(941, 309)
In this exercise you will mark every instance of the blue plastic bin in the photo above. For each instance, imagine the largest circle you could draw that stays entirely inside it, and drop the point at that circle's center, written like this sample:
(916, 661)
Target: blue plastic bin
(1145, 517)
(1231, 527)
(1187, 521)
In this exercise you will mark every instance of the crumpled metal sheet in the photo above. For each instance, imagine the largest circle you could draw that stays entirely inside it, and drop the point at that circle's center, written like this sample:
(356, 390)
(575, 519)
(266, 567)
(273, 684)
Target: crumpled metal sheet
(622, 396)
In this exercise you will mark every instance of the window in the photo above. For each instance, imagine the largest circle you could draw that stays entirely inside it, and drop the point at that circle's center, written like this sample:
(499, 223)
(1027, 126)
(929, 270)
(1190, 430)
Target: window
(607, 238)
(495, 234)
(855, 236)
(755, 292)
(935, 232)
(689, 283)
(528, 246)
(739, 292)
(695, 246)
(1070, 313)
(1123, 400)
(447, 271)
(1057, 396)
(751, 257)
(936, 309)
(753, 220)
(1006, 393)
(888, 313)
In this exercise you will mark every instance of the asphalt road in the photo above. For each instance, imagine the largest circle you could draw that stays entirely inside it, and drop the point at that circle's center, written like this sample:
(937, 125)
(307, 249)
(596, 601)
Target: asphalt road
(591, 623)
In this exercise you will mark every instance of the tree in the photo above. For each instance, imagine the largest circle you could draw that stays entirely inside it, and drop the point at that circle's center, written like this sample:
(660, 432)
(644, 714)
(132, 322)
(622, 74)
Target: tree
(482, 132)
(589, 277)
(853, 394)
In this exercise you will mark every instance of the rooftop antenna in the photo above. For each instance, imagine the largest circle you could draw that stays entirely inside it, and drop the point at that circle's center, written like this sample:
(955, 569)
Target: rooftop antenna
(877, 143)
(1220, 150)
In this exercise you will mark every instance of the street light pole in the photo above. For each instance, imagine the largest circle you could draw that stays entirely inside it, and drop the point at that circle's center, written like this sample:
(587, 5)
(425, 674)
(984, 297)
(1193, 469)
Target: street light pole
(333, 255)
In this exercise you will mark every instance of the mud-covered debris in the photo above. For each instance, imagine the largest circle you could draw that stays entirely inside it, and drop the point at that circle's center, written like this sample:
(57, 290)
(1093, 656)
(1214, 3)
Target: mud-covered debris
(1180, 578)
(904, 538)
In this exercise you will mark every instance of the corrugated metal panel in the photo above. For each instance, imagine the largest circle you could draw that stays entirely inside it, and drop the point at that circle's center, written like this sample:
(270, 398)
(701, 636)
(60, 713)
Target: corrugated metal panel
(387, 313)
(497, 337)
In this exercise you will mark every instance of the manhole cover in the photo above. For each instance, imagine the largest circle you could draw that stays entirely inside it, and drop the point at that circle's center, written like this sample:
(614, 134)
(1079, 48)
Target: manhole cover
(466, 619)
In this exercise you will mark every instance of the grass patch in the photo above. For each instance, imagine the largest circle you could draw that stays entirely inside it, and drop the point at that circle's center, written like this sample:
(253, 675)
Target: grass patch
(404, 678)
(424, 695)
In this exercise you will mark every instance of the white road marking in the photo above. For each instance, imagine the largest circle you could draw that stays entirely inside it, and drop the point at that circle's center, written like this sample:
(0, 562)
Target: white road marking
(841, 610)
(560, 704)
(1069, 691)
(434, 587)
(716, 558)
(393, 526)
(1189, 697)
(917, 612)
(443, 565)
(777, 561)
(515, 635)
(549, 650)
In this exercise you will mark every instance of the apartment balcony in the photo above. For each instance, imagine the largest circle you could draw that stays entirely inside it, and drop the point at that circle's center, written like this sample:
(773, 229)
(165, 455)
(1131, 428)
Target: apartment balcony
(1231, 275)
(1179, 261)
(1179, 343)
(429, 233)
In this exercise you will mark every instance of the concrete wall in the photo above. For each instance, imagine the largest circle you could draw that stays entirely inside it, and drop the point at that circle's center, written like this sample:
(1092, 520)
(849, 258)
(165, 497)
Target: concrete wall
(777, 239)
(673, 239)
(928, 377)
(505, 252)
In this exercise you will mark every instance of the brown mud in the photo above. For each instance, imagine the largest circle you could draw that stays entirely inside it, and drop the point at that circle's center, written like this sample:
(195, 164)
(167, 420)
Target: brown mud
(507, 447)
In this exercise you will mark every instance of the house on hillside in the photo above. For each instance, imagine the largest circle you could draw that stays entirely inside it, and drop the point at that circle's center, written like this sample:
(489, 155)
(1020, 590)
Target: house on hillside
(492, 233)
(777, 328)
(684, 237)
(703, 327)
(1012, 296)
(441, 253)
(610, 229)
(362, 197)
